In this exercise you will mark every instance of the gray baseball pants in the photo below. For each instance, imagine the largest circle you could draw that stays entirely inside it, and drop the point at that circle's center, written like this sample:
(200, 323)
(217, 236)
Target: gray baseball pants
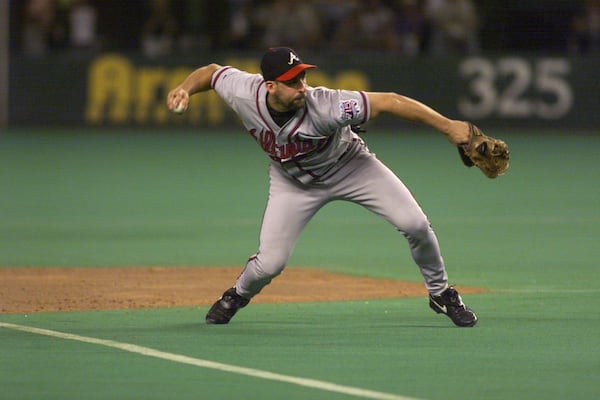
(364, 180)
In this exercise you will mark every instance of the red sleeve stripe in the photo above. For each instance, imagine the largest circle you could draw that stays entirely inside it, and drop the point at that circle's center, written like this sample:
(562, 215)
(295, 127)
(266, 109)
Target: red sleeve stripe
(217, 76)
(366, 103)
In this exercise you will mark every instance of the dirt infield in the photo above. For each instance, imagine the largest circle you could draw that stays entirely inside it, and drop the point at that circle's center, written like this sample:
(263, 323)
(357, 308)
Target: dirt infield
(27, 290)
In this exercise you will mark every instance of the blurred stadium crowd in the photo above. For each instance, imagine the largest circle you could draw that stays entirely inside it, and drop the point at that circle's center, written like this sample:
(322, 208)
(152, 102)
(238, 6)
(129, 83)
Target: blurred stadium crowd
(405, 27)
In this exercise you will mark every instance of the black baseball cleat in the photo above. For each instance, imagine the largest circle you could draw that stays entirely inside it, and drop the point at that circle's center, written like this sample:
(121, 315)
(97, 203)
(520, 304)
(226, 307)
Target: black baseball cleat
(225, 308)
(450, 303)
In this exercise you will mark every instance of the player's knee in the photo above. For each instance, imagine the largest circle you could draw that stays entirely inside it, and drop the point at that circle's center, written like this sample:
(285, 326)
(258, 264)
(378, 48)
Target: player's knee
(269, 265)
(419, 229)
(423, 228)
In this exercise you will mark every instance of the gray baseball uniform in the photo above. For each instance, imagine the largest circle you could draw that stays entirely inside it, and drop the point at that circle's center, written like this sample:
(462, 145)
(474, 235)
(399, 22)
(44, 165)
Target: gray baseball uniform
(317, 158)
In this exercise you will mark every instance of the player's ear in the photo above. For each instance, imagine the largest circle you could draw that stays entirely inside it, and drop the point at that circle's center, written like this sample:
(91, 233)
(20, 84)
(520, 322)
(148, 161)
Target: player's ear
(270, 85)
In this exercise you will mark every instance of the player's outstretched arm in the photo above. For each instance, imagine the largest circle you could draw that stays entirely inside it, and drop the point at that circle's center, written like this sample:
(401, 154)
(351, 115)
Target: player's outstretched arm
(197, 81)
(409, 109)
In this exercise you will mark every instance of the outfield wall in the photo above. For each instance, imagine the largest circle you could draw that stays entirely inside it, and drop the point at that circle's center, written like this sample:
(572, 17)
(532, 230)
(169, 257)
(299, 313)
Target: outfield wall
(118, 89)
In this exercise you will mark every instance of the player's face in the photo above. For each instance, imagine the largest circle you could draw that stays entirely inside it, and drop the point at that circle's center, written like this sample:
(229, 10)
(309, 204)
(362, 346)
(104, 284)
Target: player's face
(288, 95)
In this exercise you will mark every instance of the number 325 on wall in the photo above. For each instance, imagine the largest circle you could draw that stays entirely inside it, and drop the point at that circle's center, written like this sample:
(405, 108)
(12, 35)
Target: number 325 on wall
(516, 88)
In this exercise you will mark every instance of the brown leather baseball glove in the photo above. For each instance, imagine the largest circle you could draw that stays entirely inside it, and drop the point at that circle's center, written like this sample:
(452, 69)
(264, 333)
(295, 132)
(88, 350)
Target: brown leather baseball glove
(490, 155)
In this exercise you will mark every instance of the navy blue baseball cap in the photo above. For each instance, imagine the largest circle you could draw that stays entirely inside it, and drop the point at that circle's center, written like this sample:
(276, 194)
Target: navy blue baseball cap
(282, 64)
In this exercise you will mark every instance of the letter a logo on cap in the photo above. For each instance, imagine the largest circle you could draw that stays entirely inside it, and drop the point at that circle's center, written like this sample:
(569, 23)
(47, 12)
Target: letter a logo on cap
(292, 58)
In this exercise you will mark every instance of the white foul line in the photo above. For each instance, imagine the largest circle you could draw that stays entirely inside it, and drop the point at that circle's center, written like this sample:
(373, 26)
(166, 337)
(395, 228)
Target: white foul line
(146, 351)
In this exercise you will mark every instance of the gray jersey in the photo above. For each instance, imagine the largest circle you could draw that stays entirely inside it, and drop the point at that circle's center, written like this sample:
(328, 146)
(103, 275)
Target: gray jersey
(311, 146)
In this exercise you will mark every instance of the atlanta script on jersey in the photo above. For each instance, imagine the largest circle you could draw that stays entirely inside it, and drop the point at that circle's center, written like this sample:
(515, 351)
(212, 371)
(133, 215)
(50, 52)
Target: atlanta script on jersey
(306, 156)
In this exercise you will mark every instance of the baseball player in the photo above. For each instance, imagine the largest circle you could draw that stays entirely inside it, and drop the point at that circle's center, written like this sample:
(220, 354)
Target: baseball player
(316, 157)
